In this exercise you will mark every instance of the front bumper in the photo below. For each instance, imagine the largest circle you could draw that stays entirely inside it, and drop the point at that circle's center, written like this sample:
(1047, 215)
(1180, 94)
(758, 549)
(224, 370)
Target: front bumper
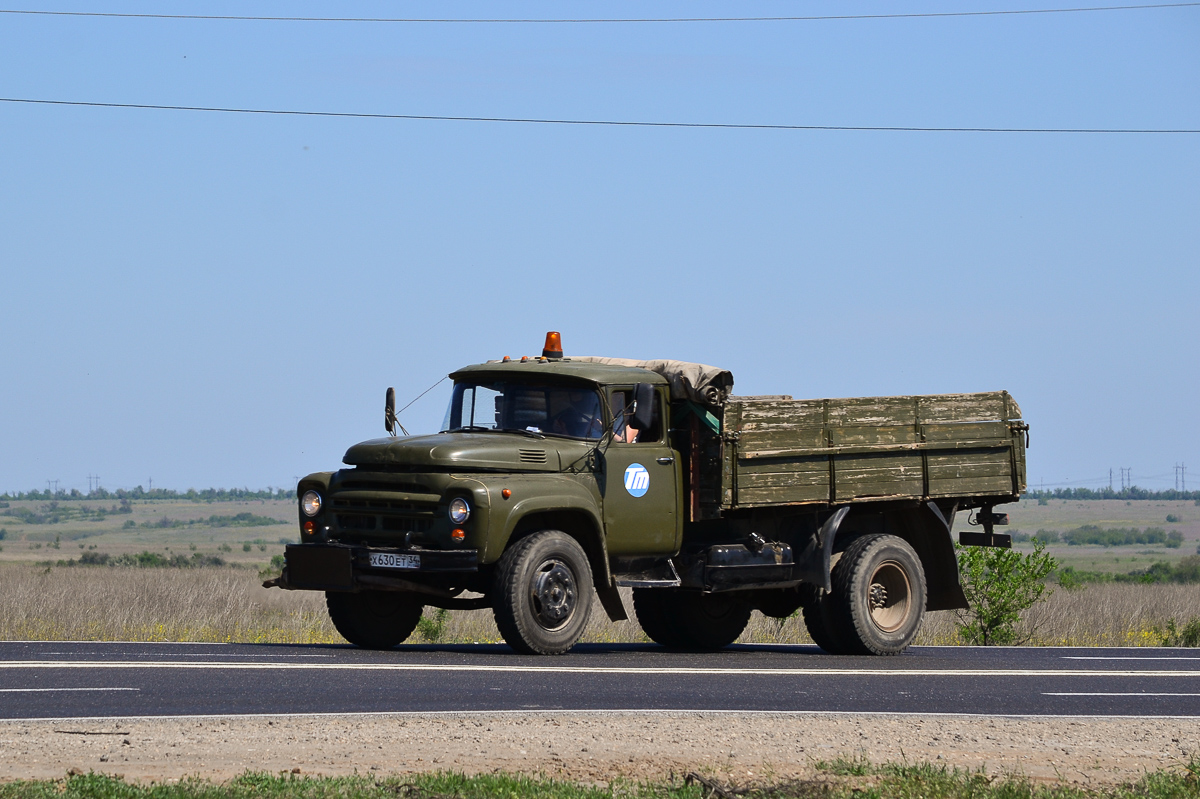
(347, 567)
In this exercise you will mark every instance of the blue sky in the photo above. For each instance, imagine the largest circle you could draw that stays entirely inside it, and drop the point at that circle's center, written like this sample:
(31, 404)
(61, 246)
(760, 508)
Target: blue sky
(220, 300)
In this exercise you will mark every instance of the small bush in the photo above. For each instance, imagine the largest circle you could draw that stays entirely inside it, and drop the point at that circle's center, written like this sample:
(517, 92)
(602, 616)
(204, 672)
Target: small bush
(1000, 584)
(128, 524)
(1188, 636)
(3, 533)
(246, 547)
(225, 548)
(432, 629)
(1172, 518)
(1044, 501)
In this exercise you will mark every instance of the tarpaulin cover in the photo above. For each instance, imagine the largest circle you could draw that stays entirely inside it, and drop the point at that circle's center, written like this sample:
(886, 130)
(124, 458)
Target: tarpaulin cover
(689, 381)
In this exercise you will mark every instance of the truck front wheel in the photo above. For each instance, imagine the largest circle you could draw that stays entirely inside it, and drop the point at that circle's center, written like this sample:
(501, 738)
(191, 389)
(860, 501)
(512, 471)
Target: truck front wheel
(373, 619)
(689, 619)
(543, 593)
(878, 596)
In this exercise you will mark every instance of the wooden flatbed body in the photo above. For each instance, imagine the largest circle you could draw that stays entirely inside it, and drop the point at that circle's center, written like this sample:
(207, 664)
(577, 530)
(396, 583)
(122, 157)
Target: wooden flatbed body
(965, 448)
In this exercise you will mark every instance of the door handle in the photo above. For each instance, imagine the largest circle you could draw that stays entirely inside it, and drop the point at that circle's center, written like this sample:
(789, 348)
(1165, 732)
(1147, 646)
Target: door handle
(666, 460)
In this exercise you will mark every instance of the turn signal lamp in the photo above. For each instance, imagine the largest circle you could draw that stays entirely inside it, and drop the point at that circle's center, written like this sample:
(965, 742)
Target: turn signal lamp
(553, 348)
(505, 493)
(457, 534)
(309, 528)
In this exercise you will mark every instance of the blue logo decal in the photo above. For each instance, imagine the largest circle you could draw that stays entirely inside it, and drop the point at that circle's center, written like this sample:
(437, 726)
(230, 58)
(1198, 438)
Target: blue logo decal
(637, 479)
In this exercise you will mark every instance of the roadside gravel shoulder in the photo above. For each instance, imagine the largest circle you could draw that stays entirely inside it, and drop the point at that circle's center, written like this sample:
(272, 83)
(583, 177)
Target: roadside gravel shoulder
(593, 747)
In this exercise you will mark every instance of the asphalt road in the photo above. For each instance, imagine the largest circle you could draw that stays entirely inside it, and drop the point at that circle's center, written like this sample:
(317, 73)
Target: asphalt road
(48, 680)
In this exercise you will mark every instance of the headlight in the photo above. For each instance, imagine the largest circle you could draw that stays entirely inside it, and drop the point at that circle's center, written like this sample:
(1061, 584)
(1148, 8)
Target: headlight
(459, 510)
(310, 503)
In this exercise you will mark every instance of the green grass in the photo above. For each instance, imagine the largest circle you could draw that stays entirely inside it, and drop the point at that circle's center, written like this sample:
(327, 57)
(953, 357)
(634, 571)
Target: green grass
(840, 779)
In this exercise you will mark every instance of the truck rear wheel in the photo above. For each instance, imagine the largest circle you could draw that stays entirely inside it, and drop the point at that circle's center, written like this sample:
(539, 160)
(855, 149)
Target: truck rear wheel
(543, 593)
(878, 597)
(373, 619)
(689, 619)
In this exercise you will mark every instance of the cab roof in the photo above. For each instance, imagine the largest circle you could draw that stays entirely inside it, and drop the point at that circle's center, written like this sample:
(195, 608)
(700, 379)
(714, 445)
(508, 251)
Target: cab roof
(603, 374)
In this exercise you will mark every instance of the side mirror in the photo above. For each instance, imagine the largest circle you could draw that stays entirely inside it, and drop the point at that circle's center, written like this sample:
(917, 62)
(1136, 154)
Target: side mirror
(389, 411)
(643, 415)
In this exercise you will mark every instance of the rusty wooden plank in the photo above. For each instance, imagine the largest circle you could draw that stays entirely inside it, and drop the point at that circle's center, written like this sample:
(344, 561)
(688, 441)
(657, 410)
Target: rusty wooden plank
(874, 475)
(979, 486)
(773, 496)
(953, 431)
(872, 411)
(858, 435)
(982, 407)
(786, 438)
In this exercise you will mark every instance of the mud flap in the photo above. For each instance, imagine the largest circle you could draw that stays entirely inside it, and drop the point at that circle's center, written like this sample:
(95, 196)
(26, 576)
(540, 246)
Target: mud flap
(610, 598)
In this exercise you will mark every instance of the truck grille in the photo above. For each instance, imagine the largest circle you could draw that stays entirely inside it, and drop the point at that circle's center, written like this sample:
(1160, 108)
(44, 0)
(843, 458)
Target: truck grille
(383, 515)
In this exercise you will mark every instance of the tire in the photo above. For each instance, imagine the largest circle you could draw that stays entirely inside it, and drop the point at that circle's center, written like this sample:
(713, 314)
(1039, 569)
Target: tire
(652, 606)
(821, 628)
(878, 597)
(543, 593)
(689, 619)
(373, 619)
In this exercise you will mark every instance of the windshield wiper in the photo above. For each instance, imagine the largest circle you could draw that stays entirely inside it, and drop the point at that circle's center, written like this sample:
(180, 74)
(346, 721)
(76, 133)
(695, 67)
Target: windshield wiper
(522, 431)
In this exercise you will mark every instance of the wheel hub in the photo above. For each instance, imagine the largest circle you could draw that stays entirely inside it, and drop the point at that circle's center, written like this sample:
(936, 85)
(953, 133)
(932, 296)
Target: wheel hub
(889, 597)
(554, 594)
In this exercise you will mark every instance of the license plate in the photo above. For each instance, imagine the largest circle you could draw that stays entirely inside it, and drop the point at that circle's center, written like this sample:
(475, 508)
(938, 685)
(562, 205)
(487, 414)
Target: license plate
(389, 560)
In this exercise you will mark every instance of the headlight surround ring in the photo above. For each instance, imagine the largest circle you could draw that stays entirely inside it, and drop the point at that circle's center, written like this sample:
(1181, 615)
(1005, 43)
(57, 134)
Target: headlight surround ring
(460, 510)
(310, 503)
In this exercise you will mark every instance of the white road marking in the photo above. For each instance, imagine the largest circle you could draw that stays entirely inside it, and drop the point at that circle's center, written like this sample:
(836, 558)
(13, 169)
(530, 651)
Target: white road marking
(550, 670)
(44, 690)
(1096, 657)
(190, 655)
(1106, 693)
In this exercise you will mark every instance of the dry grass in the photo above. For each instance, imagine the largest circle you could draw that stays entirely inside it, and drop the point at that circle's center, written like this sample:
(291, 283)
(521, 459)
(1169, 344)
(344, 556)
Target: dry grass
(229, 605)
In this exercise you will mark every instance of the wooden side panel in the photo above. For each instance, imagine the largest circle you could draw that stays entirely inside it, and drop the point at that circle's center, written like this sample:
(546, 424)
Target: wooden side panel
(862, 436)
(760, 414)
(769, 481)
(990, 406)
(969, 472)
(781, 451)
(781, 437)
(966, 432)
(883, 475)
(873, 411)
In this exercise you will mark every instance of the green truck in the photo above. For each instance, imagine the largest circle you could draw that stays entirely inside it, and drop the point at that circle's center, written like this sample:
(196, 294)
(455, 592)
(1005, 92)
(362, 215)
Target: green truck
(556, 480)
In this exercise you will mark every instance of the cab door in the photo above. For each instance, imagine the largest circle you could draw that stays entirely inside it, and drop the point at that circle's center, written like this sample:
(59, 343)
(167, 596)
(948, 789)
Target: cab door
(639, 483)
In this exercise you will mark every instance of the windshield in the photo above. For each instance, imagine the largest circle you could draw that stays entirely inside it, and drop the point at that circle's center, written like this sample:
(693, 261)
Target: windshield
(545, 409)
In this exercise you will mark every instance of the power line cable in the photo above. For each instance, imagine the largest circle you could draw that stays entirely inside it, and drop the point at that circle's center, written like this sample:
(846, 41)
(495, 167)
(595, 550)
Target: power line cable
(592, 122)
(580, 21)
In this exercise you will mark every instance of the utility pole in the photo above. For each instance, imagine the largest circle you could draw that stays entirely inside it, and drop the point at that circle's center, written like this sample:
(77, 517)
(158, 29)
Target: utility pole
(151, 484)
(1126, 477)
(1181, 477)
(1110, 479)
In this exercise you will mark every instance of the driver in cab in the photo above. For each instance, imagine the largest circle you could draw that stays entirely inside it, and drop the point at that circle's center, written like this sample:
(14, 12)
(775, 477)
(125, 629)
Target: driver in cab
(581, 418)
